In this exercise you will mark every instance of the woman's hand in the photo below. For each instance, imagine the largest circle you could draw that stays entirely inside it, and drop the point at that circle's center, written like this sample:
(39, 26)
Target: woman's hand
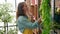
(33, 18)
(35, 31)
(39, 20)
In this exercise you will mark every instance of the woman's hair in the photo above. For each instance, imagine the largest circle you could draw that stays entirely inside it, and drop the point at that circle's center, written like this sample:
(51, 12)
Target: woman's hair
(20, 10)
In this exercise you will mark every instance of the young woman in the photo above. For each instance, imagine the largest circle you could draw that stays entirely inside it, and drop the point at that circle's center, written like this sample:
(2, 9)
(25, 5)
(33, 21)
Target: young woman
(23, 19)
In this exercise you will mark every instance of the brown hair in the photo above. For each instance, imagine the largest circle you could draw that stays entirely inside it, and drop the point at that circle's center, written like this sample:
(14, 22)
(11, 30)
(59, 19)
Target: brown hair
(20, 11)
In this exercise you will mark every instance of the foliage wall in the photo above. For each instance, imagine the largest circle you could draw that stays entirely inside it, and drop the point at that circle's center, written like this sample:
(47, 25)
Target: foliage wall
(45, 10)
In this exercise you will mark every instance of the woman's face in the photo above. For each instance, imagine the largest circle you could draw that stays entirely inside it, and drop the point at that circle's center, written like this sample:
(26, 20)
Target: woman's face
(25, 8)
(26, 11)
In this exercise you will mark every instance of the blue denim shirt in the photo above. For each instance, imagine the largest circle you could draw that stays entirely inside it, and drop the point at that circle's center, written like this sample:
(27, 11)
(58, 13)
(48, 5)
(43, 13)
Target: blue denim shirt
(23, 23)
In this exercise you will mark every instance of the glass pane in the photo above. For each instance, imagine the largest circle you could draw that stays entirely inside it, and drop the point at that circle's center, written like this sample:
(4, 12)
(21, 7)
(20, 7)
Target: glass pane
(12, 30)
(1, 23)
(2, 1)
(13, 3)
(57, 11)
(1, 31)
(18, 1)
(19, 32)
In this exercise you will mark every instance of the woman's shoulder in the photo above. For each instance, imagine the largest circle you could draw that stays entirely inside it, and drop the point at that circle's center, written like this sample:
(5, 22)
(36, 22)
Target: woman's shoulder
(22, 17)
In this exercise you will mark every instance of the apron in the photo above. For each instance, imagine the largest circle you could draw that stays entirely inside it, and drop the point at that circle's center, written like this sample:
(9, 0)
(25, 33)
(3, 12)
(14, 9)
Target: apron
(27, 31)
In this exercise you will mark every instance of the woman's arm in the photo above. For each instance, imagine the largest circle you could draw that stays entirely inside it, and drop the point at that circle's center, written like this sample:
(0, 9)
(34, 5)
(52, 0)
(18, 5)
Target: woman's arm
(27, 24)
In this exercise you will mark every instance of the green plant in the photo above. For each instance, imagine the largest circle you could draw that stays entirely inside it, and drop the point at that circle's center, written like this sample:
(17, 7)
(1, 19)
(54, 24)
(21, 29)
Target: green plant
(5, 10)
(45, 10)
(1, 32)
(12, 31)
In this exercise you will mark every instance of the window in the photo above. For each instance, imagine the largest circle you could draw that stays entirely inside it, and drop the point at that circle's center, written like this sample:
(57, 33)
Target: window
(2, 1)
(11, 27)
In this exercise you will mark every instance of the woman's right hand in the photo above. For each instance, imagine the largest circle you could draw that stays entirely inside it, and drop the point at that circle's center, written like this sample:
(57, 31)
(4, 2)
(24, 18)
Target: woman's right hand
(39, 20)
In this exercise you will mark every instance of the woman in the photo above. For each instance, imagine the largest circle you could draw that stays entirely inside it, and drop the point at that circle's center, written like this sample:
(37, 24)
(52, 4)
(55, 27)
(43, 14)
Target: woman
(24, 24)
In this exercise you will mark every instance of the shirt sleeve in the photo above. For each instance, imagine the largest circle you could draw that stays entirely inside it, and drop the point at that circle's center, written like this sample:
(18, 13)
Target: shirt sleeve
(29, 24)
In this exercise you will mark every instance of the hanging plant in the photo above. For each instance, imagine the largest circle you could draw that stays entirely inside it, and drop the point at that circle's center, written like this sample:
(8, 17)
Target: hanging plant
(45, 10)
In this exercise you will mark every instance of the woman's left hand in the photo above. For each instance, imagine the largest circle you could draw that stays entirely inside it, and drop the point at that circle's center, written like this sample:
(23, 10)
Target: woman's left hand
(35, 31)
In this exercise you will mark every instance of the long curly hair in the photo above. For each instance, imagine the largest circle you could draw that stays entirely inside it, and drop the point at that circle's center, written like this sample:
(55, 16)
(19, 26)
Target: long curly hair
(20, 10)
